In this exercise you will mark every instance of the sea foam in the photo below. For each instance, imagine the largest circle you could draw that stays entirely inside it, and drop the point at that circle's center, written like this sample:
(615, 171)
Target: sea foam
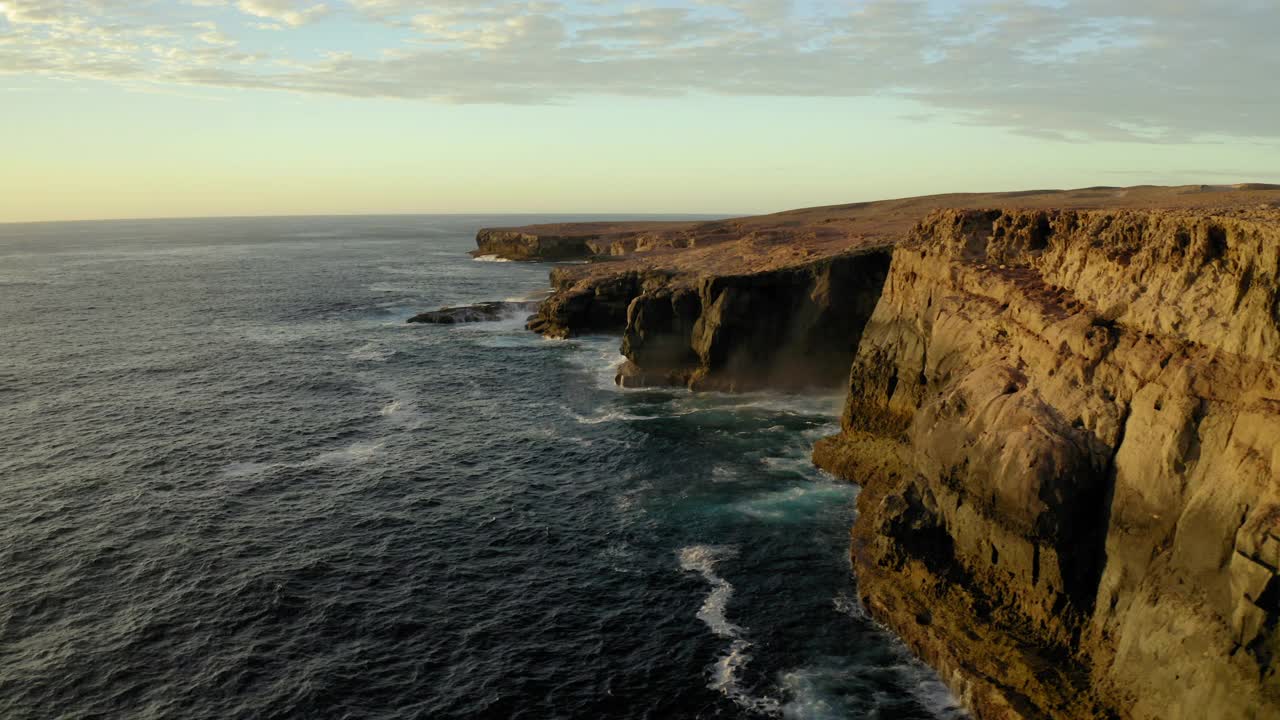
(724, 672)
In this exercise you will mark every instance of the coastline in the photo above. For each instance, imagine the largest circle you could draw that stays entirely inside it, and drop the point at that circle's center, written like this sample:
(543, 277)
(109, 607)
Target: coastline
(1058, 411)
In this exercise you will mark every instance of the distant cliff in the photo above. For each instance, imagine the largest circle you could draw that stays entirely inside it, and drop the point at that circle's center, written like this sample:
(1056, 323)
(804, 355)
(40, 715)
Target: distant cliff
(518, 245)
(1064, 414)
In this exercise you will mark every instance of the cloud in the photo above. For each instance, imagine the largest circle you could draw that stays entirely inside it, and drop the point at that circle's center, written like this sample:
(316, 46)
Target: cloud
(286, 11)
(1074, 70)
(29, 11)
(211, 35)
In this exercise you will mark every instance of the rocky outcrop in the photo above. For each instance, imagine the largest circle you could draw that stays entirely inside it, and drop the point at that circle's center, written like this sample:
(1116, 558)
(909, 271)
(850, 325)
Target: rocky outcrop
(791, 328)
(1066, 426)
(597, 304)
(523, 245)
(480, 312)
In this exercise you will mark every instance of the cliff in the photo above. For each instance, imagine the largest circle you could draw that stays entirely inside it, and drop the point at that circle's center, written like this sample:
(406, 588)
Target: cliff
(1063, 414)
(580, 241)
(1066, 427)
(789, 328)
(521, 245)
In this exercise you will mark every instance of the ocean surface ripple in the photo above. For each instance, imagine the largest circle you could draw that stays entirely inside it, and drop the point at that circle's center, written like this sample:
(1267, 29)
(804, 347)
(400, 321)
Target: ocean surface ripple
(236, 484)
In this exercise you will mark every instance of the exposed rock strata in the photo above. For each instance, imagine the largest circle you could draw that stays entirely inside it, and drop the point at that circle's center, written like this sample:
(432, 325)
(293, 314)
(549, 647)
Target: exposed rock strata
(1067, 425)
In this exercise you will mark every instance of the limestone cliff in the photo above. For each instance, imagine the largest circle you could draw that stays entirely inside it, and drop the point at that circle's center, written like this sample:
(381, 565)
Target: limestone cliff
(1067, 425)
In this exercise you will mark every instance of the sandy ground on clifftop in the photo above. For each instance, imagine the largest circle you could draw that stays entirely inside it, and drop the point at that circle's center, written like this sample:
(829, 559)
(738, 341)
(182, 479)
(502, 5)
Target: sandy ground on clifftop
(764, 242)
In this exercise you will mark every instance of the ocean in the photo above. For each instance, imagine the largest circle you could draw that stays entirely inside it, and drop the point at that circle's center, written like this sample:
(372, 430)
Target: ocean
(235, 484)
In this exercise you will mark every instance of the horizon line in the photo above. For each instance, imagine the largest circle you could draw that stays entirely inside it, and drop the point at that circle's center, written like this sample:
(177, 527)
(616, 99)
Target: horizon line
(724, 215)
(285, 216)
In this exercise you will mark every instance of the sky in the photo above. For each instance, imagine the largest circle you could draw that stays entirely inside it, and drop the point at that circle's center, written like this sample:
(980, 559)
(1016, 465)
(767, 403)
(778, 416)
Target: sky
(186, 108)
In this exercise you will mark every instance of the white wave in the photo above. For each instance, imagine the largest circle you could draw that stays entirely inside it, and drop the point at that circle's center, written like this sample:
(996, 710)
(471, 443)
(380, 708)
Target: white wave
(797, 503)
(935, 697)
(402, 412)
(851, 606)
(371, 352)
(807, 699)
(599, 356)
(511, 322)
(724, 672)
(798, 465)
(620, 416)
(819, 692)
(802, 404)
(490, 258)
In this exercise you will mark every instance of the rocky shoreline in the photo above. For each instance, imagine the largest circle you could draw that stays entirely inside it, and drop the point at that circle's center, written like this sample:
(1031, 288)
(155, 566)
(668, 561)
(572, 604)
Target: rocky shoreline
(1063, 409)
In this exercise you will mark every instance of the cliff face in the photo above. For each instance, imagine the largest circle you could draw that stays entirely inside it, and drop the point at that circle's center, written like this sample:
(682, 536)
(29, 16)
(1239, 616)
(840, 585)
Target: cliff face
(578, 241)
(795, 328)
(790, 328)
(519, 245)
(594, 305)
(1067, 425)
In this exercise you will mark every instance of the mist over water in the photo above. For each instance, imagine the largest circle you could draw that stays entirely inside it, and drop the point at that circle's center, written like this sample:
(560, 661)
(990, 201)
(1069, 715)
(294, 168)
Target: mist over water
(236, 484)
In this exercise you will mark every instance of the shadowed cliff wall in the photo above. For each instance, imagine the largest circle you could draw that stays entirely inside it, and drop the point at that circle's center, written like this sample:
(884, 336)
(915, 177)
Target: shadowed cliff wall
(791, 328)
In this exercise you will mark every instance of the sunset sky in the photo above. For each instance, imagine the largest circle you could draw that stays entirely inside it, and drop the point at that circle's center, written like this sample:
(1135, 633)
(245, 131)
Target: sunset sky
(130, 108)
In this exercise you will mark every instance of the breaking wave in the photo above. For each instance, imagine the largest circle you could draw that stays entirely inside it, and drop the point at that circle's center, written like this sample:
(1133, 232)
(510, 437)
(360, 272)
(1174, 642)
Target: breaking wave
(726, 671)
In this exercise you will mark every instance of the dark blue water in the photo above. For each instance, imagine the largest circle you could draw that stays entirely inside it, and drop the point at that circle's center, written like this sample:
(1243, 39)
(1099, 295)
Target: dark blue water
(233, 483)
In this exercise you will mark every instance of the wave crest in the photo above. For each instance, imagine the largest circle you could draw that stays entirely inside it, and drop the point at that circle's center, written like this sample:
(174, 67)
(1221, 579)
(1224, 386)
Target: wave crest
(724, 672)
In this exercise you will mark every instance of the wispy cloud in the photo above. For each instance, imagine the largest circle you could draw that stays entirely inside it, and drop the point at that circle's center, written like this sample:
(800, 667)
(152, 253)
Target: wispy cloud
(1144, 70)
